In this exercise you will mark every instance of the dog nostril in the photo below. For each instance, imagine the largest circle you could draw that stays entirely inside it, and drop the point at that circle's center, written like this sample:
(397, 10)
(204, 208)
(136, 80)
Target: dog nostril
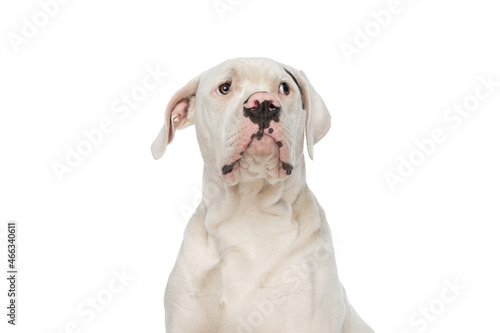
(262, 112)
(267, 104)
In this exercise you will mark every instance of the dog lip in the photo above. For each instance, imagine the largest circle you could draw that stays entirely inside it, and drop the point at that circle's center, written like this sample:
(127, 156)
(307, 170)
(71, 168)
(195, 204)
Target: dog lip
(228, 168)
(287, 167)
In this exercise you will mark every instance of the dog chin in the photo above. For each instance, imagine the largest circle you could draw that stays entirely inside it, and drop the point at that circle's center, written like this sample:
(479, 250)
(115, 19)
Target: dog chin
(263, 148)
(260, 160)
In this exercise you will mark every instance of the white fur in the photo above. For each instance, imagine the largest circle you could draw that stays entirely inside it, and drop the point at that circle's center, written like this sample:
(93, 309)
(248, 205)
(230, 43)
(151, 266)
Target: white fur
(257, 254)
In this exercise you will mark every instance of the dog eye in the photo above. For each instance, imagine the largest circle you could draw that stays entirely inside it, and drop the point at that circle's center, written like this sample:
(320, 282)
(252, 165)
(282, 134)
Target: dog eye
(224, 89)
(284, 89)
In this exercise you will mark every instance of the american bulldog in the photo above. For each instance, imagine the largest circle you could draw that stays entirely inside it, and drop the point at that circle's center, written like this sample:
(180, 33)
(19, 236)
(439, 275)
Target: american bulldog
(257, 254)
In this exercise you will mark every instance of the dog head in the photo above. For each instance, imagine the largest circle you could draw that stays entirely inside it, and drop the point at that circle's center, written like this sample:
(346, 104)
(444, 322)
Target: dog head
(251, 116)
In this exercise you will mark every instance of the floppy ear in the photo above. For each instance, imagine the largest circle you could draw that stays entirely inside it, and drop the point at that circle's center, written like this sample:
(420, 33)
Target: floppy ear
(178, 115)
(318, 118)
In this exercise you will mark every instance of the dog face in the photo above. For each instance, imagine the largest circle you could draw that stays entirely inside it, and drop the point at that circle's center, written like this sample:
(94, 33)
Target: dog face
(248, 112)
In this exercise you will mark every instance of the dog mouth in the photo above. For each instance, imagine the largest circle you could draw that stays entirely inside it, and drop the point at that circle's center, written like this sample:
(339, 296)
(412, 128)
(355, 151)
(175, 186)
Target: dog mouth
(260, 144)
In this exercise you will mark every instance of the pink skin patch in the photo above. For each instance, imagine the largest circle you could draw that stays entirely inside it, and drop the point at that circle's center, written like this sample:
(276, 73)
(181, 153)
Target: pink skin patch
(264, 146)
(257, 98)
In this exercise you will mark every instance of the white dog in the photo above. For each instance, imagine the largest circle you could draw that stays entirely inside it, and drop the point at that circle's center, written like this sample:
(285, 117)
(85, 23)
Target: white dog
(257, 254)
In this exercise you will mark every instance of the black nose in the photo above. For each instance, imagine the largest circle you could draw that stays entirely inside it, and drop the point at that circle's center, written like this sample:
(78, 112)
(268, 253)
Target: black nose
(262, 113)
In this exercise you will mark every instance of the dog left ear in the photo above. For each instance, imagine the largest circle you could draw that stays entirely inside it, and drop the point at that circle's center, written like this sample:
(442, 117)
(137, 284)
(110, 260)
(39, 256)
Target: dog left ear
(178, 115)
(318, 120)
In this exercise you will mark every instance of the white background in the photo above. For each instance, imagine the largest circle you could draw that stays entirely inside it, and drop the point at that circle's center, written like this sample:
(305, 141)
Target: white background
(121, 210)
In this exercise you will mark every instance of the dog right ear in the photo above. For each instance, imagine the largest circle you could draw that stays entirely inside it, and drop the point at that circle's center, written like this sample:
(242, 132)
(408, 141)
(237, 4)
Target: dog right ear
(178, 115)
(318, 120)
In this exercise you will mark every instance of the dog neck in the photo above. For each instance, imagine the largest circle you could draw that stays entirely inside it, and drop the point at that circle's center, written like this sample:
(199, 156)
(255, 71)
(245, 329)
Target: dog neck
(234, 213)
